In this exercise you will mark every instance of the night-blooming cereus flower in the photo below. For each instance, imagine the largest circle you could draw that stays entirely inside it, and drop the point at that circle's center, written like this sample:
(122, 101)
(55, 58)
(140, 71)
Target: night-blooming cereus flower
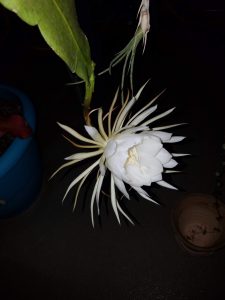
(132, 152)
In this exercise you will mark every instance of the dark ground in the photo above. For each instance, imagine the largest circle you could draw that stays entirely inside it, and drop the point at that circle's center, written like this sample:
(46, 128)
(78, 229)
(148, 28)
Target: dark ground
(50, 253)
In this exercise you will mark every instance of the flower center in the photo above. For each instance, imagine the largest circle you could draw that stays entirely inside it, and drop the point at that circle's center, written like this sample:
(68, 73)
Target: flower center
(132, 156)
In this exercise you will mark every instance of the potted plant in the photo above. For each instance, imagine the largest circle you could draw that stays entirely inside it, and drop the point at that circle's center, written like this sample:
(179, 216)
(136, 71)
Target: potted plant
(125, 144)
(20, 167)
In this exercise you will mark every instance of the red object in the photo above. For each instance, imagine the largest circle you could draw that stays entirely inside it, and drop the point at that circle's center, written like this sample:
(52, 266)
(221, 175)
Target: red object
(15, 125)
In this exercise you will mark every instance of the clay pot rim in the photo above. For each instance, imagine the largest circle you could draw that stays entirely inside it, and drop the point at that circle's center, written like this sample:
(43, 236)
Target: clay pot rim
(191, 248)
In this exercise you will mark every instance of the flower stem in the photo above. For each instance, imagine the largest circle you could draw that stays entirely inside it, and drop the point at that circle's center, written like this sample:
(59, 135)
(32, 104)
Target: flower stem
(89, 89)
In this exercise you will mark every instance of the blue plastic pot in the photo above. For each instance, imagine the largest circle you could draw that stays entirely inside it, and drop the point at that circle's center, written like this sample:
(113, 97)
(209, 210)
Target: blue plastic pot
(20, 165)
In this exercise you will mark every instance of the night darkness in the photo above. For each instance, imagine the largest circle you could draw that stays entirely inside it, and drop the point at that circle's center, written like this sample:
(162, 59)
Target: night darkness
(51, 253)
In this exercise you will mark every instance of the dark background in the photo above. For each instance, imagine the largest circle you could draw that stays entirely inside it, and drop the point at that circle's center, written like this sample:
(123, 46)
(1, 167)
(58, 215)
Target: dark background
(50, 253)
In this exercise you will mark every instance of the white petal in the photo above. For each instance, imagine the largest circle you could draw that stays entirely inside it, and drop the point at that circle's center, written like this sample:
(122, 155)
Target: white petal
(100, 124)
(84, 155)
(110, 112)
(175, 139)
(156, 178)
(123, 213)
(119, 113)
(92, 201)
(101, 177)
(102, 166)
(164, 136)
(170, 164)
(110, 148)
(159, 116)
(168, 126)
(166, 184)
(124, 113)
(150, 145)
(128, 107)
(79, 145)
(180, 154)
(80, 177)
(130, 130)
(121, 186)
(143, 194)
(172, 171)
(136, 176)
(143, 116)
(63, 166)
(140, 190)
(116, 165)
(78, 190)
(164, 156)
(94, 134)
(145, 107)
(113, 199)
(76, 134)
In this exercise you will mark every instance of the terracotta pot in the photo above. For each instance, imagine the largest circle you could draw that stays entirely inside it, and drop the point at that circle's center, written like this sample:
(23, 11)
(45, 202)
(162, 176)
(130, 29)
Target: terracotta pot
(199, 223)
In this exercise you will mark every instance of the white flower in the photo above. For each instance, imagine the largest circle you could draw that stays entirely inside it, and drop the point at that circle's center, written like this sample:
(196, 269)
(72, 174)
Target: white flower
(129, 149)
(137, 159)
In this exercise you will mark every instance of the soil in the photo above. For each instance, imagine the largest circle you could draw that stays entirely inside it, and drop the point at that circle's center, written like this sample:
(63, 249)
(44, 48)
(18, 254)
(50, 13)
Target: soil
(8, 108)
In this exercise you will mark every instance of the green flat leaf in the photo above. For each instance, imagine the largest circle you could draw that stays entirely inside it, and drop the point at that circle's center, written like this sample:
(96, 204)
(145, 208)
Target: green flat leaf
(58, 24)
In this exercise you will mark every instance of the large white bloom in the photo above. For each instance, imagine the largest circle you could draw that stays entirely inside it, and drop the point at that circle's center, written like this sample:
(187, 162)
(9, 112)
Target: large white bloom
(132, 152)
(138, 159)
